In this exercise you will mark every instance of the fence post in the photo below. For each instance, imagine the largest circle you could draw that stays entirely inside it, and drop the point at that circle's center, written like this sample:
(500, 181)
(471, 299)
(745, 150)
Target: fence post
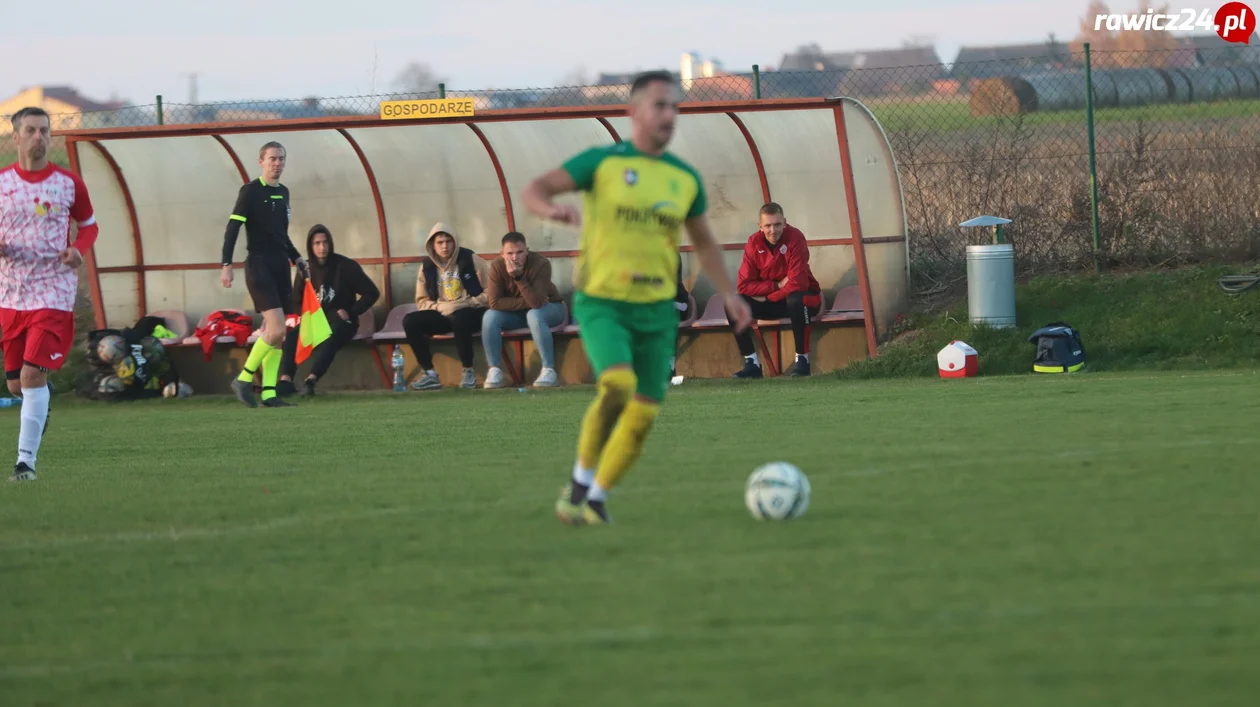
(159, 109)
(756, 81)
(441, 90)
(1093, 165)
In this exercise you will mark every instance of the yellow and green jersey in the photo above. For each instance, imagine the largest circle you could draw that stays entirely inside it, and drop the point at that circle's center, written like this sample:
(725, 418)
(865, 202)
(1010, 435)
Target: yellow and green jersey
(636, 205)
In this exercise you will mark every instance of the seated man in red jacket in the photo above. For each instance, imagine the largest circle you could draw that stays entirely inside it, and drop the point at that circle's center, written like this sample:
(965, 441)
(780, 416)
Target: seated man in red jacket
(775, 280)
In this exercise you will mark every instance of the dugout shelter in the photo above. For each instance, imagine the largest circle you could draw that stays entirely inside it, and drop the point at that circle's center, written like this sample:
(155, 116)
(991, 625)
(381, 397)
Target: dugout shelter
(163, 193)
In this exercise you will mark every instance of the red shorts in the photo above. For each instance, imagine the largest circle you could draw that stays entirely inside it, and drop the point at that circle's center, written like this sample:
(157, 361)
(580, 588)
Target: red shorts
(40, 337)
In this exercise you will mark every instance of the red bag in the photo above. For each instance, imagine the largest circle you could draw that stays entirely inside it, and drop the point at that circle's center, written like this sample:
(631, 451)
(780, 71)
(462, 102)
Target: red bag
(223, 323)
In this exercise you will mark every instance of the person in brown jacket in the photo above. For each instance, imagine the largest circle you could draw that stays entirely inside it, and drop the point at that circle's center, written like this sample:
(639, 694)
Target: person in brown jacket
(450, 299)
(520, 294)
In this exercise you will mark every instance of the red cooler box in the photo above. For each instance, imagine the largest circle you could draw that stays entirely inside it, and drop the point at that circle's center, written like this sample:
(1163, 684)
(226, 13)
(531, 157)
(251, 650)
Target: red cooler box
(957, 360)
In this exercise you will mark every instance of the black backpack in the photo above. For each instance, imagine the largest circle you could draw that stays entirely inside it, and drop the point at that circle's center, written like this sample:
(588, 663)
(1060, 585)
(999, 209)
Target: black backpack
(1059, 349)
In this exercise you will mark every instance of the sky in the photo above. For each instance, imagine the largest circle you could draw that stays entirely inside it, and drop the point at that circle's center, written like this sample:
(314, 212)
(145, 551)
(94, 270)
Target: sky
(269, 49)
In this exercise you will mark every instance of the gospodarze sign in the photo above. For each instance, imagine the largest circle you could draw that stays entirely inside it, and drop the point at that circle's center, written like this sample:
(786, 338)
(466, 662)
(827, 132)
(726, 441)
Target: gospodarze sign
(427, 108)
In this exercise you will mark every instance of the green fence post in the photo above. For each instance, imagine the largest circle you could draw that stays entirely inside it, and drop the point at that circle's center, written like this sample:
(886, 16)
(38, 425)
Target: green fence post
(756, 81)
(159, 109)
(441, 90)
(1093, 165)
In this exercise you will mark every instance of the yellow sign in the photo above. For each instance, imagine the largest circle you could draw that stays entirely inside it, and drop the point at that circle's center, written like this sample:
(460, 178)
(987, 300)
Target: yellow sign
(428, 108)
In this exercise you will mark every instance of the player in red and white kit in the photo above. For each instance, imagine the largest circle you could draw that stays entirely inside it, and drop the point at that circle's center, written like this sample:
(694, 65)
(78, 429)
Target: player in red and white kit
(39, 274)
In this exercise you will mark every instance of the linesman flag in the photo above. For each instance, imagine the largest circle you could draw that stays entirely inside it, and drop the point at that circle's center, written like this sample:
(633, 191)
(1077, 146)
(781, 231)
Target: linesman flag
(313, 328)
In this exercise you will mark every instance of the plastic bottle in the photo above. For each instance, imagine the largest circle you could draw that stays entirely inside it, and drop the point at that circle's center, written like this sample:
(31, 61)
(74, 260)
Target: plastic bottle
(398, 369)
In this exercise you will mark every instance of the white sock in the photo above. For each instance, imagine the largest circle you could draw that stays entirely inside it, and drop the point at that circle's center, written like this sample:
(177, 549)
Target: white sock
(802, 357)
(583, 477)
(431, 372)
(597, 492)
(34, 413)
(753, 357)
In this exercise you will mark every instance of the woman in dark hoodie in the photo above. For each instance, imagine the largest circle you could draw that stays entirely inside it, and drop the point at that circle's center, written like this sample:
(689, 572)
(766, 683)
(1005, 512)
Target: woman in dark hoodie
(345, 292)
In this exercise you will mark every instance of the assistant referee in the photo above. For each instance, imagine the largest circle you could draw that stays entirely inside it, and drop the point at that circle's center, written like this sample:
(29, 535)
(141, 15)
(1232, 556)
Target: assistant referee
(263, 207)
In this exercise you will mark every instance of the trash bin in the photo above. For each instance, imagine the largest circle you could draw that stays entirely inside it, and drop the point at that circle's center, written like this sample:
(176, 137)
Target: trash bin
(991, 284)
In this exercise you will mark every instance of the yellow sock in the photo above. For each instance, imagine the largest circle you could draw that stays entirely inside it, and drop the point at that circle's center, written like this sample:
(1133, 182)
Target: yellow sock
(625, 444)
(256, 356)
(616, 387)
(271, 372)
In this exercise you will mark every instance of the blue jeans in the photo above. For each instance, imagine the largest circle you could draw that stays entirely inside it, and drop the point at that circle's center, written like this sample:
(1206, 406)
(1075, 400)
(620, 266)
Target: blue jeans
(539, 321)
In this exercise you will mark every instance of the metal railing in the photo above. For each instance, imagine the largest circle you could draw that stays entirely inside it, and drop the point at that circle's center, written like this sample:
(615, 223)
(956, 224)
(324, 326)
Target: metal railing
(1100, 158)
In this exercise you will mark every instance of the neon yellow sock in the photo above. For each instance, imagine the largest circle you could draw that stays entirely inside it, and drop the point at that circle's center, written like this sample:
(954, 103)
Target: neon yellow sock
(616, 387)
(256, 355)
(271, 372)
(626, 443)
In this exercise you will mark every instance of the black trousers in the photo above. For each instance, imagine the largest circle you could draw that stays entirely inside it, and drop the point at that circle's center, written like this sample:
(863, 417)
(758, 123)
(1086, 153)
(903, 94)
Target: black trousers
(463, 323)
(342, 332)
(792, 307)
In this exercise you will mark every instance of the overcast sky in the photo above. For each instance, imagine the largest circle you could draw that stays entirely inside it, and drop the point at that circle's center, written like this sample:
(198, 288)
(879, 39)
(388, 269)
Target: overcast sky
(293, 48)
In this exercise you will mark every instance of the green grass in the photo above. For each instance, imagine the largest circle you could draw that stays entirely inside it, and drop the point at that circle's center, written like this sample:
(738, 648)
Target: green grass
(951, 116)
(1065, 540)
(1154, 320)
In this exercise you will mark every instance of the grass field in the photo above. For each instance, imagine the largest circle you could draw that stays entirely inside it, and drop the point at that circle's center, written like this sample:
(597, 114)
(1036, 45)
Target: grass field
(1175, 319)
(1059, 540)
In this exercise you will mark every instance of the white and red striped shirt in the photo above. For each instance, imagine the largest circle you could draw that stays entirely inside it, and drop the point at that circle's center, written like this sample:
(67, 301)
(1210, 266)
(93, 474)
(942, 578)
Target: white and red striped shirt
(35, 213)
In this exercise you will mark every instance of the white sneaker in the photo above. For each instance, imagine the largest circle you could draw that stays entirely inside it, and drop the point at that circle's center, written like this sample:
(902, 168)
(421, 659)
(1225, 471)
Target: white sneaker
(469, 379)
(546, 379)
(494, 378)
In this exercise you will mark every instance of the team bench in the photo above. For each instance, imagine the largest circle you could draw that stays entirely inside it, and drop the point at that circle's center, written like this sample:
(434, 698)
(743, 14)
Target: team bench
(845, 309)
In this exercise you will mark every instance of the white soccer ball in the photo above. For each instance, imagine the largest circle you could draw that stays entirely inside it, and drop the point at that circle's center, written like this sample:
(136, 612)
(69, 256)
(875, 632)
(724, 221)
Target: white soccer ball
(777, 491)
(171, 390)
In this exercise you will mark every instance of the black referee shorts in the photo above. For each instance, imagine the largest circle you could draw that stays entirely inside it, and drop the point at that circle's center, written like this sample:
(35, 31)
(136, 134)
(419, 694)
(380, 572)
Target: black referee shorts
(267, 279)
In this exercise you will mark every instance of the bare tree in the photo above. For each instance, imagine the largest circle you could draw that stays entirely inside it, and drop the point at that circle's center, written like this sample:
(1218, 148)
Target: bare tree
(417, 77)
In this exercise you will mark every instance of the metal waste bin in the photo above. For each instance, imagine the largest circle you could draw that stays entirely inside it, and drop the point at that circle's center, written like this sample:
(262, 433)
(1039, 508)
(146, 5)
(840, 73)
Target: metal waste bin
(991, 284)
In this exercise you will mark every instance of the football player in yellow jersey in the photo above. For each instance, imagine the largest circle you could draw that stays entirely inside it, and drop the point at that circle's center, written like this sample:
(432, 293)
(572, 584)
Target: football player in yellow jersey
(638, 197)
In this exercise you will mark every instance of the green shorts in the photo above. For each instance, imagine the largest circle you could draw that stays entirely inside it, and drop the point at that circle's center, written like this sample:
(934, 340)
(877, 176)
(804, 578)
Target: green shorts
(642, 335)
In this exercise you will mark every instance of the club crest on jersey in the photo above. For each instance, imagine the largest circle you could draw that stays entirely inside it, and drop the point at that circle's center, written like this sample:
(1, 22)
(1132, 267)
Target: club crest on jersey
(783, 248)
(632, 176)
(42, 208)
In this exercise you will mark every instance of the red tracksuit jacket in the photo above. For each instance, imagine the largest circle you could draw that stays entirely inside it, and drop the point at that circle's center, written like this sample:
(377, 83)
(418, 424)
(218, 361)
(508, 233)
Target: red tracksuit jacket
(764, 265)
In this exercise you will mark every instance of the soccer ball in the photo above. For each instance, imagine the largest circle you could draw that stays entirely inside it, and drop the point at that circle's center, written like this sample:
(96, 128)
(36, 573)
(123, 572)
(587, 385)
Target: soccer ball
(152, 350)
(111, 349)
(126, 369)
(111, 385)
(777, 491)
(183, 390)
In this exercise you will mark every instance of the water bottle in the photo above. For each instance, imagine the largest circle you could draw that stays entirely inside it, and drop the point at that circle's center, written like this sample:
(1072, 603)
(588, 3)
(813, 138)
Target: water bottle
(10, 402)
(398, 369)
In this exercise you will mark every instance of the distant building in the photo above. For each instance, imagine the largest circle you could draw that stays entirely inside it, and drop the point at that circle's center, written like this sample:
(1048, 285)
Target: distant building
(1211, 50)
(65, 106)
(1005, 59)
(874, 72)
(259, 110)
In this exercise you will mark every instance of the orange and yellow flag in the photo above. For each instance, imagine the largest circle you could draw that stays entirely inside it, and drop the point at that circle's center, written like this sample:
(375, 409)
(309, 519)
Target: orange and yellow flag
(313, 328)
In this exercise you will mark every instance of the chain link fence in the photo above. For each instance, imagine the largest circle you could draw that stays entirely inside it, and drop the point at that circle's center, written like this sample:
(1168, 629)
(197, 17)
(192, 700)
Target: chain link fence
(1176, 139)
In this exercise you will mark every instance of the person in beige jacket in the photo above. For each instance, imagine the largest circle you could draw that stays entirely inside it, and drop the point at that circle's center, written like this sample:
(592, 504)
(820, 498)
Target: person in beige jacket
(450, 299)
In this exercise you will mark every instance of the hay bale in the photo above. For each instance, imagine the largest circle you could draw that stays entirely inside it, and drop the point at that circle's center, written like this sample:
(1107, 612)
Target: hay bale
(1248, 86)
(1002, 95)
(1178, 85)
(1210, 83)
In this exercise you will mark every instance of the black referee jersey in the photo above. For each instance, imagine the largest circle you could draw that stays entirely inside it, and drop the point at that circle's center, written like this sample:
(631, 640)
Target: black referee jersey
(265, 211)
